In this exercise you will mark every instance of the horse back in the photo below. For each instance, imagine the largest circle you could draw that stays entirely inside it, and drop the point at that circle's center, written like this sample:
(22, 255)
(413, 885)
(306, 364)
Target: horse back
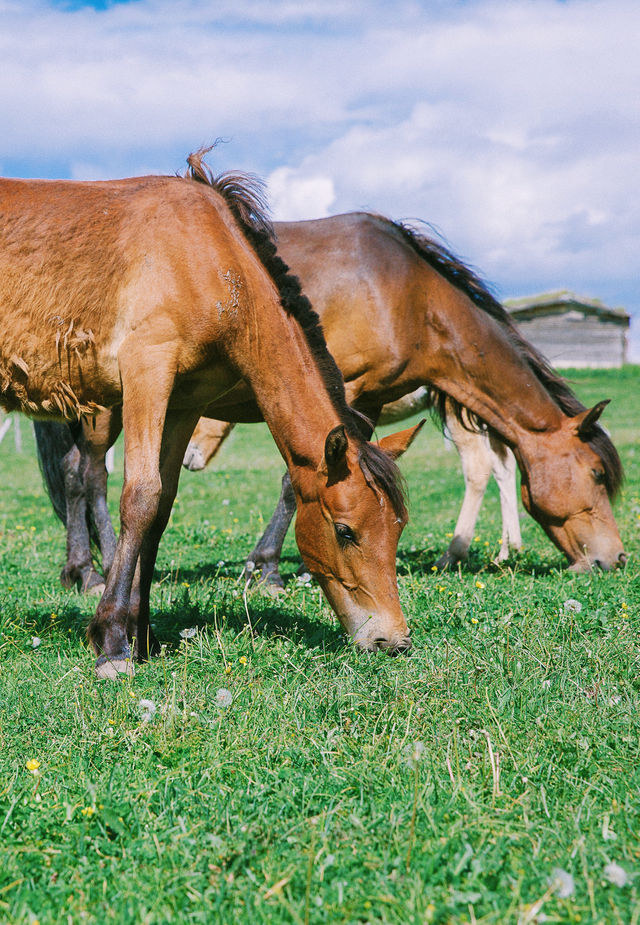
(83, 265)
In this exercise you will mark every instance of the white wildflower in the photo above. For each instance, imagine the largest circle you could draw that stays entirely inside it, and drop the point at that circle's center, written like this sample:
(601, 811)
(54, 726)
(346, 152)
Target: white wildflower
(572, 606)
(413, 753)
(546, 682)
(224, 697)
(147, 710)
(562, 883)
(189, 632)
(35, 642)
(616, 874)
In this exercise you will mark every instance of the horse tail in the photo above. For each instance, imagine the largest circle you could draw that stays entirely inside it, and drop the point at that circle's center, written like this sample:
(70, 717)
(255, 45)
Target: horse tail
(54, 439)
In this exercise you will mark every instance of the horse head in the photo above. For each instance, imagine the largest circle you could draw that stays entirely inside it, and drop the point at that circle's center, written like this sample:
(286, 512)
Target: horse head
(350, 514)
(569, 487)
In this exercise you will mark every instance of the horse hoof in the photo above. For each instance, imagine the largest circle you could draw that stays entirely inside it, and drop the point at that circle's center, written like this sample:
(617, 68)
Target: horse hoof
(271, 589)
(98, 590)
(110, 669)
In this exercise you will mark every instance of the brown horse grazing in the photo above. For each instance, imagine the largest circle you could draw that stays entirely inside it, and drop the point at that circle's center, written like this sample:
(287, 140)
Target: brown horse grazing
(165, 295)
(399, 311)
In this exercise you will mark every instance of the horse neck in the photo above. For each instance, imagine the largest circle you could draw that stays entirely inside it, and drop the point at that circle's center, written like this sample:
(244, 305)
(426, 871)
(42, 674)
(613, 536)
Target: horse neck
(471, 357)
(289, 389)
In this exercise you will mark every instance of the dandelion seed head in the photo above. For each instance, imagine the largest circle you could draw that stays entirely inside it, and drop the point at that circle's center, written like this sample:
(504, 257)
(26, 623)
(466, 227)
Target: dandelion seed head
(616, 874)
(572, 606)
(188, 632)
(147, 710)
(413, 753)
(35, 642)
(562, 883)
(224, 697)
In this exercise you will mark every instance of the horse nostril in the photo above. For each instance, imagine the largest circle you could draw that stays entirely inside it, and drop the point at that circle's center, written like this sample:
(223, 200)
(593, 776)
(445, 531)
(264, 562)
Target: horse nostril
(393, 648)
(622, 559)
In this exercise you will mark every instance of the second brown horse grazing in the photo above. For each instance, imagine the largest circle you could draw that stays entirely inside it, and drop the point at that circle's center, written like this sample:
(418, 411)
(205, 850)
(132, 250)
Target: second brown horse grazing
(400, 311)
(152, 292)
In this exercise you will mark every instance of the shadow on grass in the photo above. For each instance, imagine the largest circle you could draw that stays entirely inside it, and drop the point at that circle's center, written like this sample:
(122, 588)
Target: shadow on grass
(218, 606)
(422, 561)
(268, 621)
(283, 616)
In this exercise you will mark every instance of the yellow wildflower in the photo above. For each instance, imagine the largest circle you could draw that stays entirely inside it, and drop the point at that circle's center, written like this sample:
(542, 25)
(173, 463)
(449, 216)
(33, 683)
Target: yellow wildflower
(88, 811)
(32, 765)
(243, 659)
(480, 584)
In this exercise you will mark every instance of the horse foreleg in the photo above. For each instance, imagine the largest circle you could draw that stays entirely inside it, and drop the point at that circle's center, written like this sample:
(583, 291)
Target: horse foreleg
(504, 472)
(205, 443)
(263, 562)
(476, 462)
(178, 428)
(147, 382)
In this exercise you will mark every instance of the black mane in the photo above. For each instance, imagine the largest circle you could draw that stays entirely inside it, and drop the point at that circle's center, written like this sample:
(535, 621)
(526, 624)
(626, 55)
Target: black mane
(464, 279)
(244, 194)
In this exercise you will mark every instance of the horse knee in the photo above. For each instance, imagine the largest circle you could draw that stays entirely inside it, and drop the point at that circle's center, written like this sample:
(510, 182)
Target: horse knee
(139, 503)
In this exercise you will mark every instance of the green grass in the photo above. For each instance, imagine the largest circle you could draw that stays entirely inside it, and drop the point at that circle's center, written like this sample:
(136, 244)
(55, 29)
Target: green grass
(301, 801)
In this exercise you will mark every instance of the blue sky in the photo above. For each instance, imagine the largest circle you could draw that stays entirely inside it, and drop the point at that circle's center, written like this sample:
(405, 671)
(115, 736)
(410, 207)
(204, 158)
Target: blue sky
(513, 126)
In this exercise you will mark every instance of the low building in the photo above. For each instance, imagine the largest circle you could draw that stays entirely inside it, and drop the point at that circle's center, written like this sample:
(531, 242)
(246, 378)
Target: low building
(572, 331)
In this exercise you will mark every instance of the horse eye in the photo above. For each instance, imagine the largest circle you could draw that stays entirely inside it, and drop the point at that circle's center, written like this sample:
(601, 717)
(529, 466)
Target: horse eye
(599, 476)
(345, 534)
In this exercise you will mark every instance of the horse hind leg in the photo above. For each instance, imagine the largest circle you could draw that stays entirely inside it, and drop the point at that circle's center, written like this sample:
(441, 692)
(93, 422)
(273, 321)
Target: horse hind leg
(97, 437)
(504, 472)
(476, 468)
(78, 570)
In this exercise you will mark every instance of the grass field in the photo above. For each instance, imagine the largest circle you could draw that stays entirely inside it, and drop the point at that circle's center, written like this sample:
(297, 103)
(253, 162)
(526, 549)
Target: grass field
(277, 775)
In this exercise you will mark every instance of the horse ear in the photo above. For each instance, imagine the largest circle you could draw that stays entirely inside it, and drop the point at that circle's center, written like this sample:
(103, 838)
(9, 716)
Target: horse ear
(335, 448)
(395, 444)
(584, 422)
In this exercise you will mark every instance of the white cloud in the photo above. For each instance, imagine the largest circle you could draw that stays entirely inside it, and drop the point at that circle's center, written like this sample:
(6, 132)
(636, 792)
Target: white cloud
(510, 124)
(298, 198)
